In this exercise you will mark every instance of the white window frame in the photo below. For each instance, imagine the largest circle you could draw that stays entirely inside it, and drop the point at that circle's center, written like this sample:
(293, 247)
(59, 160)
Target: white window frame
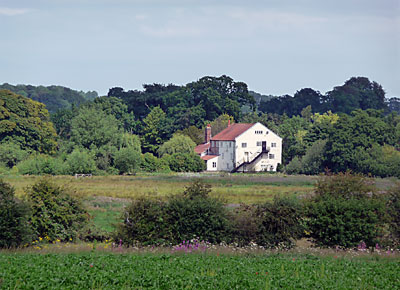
(244, 145)
(273, 145)
(271, 156)
(214, 164)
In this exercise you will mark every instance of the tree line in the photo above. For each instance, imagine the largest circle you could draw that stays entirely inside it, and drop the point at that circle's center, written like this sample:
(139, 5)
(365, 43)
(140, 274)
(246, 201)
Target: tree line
(350, 127)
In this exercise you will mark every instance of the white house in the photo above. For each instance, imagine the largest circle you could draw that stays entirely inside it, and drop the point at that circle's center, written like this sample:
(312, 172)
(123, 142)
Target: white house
(241, 147)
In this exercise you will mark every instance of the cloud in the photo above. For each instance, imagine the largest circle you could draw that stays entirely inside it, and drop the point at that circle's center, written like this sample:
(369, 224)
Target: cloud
(266, 18)
(12, 11)
(171, 31)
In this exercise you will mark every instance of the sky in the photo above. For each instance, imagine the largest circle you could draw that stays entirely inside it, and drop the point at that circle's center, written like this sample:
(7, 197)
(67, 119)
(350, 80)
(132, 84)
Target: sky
(275, 46)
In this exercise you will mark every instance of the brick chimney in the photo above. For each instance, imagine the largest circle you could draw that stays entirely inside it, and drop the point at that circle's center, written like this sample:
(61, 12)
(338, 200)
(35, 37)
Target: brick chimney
(207, 135)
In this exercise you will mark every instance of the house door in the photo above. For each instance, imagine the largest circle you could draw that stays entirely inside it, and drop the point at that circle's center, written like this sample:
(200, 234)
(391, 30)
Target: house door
(264, 146)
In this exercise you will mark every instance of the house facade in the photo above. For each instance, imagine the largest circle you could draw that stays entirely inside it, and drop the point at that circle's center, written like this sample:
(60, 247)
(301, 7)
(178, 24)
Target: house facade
(241, 147)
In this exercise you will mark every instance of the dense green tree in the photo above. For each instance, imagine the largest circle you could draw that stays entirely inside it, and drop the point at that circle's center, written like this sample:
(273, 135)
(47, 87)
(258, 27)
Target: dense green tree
(312, 161)
(220, 95)
(177, 144)
(80, 162)
(62, 121)
(127, 160)
(26, 123)
(93, 127)
(292, 131)
(356, 93)
(393, 104)
(117, 108)
(185, 162)
(194, 133)
(220, 124)
(350, 134)
(150, 163)
(154, 130)
(378, 160)
(54, 97)
(11, 154)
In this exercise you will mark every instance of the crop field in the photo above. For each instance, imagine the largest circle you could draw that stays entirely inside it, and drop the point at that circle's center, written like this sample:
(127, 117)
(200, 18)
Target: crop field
(195, 271)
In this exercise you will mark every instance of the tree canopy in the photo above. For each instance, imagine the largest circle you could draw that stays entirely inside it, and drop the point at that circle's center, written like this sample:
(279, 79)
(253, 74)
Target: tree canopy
(54, 97)
(26, 123)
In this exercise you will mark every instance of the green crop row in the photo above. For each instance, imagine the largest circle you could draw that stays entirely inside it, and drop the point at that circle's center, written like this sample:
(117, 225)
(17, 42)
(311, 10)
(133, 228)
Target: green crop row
(195, 271)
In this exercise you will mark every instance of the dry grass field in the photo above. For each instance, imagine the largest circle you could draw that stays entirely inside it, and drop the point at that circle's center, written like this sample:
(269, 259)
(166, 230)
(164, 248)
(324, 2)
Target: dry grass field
(106, 196)
(235, 188)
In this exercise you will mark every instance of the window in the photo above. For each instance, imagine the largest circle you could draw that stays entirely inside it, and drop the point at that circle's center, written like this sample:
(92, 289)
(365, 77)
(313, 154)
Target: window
(222, 155)
(230, 144)
(244, 145)
(232, 156)
(273, 144)
(214, 164)
(258, 132)
(271, 156)
(212, 143)
(259, 143)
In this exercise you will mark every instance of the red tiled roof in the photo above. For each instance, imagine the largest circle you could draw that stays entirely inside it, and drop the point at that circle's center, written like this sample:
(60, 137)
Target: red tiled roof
(201, 148)
(208, 157)
(230, 133)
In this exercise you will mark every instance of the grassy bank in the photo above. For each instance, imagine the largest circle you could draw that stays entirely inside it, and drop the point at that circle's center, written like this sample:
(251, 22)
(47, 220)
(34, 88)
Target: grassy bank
(195, 271)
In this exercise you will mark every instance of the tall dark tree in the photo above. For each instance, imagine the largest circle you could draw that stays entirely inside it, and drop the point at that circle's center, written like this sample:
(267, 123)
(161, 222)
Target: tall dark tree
(356, 93)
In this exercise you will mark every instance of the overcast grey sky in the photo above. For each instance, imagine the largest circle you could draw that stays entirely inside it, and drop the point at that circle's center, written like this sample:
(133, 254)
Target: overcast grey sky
(275, 46)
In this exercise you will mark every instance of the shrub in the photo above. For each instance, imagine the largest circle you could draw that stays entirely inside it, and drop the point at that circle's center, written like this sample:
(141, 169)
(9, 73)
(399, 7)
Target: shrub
(55, 213)
(14, 215)
(185, 162)
(393, 207)
(182, 217)
(11, 154)
(177, 144)
(244, 224)
(150, 163)
(195, 214)
(202, 217)
(345, 222)
(345, 211)
(127, 160)
(80, 162)
(344, 185)
(40, 165)
(197, 189)
(279, 223)
(143, 222)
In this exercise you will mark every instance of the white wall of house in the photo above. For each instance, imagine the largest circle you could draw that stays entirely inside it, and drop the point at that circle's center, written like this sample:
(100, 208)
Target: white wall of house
(248, 145)
(212, 164)
(226, 158)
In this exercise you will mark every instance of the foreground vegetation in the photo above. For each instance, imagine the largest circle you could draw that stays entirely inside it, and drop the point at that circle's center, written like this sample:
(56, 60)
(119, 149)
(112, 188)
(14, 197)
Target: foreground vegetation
(195, 271)
(344, 210)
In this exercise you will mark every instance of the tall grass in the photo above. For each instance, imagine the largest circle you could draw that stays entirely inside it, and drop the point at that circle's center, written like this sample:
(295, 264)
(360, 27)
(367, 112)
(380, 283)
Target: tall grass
(232, 188)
